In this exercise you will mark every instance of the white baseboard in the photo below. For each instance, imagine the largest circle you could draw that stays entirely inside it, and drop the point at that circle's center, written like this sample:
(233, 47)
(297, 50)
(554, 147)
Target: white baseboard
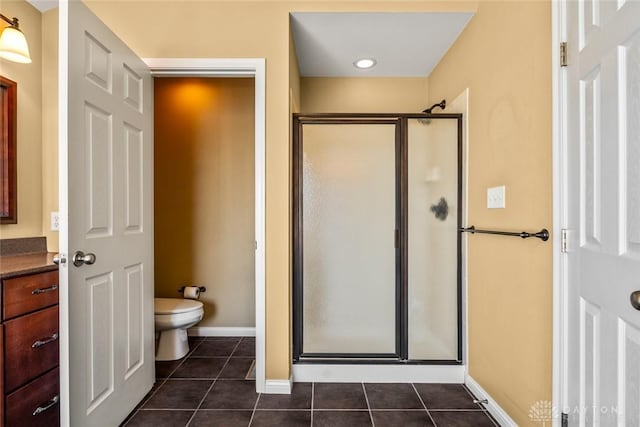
(278, 386)
(221, 331)
(492, 406)
(378, 373)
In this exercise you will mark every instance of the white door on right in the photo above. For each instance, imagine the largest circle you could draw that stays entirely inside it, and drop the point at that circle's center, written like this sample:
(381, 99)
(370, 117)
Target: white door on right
(603, 210)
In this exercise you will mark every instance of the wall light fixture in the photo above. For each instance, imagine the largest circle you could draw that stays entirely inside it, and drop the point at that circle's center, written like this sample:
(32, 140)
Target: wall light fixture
(13, 44)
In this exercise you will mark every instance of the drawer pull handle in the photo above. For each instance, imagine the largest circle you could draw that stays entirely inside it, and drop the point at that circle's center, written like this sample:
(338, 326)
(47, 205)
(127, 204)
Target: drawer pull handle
(48, 405)
(40, 343)
(45, 290)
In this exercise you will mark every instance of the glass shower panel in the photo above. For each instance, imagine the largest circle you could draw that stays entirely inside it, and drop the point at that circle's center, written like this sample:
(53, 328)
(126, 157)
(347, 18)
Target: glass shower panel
(433, 238)
(349, 202)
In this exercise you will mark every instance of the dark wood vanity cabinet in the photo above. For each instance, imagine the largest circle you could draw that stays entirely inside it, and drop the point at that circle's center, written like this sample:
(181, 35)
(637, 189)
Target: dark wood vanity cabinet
(29, 374)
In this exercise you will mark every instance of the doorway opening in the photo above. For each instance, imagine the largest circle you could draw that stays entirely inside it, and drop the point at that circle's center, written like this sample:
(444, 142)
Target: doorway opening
(253, 69)
(204, 198)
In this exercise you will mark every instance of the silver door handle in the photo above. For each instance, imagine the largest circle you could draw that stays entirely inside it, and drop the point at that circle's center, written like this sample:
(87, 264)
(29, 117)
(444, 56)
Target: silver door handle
(59, 259)
(635, 300)
(80, 258)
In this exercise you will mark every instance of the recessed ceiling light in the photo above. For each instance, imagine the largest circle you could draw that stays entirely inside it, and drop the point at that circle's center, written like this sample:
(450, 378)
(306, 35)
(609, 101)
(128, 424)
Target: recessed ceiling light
(365, 63)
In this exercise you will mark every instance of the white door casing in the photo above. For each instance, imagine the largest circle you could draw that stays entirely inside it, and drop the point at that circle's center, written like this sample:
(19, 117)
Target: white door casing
(107, 209)
(600, 183)
(256, 68)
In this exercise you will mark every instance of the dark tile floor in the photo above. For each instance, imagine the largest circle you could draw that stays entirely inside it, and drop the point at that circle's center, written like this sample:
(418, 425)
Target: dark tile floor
(209, 387)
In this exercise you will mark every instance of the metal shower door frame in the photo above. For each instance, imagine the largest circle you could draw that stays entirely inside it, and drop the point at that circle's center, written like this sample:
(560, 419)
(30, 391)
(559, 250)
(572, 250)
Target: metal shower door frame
(401, 255)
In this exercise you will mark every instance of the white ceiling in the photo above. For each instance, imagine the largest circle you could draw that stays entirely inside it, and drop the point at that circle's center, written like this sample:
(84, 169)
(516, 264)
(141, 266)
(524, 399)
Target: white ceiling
(43, 5)
(403, 44)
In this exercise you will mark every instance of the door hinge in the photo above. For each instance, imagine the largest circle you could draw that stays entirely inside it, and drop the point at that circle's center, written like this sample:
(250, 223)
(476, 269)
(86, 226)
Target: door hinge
(563, 54)
(565, 420)
(564, 241)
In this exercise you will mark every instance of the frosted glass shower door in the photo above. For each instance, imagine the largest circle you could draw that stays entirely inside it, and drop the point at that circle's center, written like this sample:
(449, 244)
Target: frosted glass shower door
(348, 250)
(433, 239)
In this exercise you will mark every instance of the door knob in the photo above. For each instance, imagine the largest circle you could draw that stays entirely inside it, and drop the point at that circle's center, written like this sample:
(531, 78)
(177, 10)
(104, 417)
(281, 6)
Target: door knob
(635, 299)
(59, 259)
(80, 258)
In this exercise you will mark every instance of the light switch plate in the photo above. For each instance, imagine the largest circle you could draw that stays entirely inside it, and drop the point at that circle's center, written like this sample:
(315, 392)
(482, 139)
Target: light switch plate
(496, 197)
(55, 221)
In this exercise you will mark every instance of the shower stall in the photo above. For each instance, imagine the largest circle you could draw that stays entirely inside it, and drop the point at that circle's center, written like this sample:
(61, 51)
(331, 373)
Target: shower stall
(377, 206)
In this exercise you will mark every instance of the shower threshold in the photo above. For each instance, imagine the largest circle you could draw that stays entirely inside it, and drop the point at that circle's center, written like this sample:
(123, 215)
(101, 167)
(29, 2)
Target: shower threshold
(376, 372)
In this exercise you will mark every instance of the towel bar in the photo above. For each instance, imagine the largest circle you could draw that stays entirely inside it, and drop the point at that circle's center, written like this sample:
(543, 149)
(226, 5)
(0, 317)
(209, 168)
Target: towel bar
(542, 234)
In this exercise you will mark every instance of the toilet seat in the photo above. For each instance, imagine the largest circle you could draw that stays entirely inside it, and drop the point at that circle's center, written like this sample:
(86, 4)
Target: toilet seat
(175, 305)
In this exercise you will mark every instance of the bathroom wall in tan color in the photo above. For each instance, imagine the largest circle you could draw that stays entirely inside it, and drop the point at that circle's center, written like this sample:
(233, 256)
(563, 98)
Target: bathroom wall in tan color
(504, 58)
(50, 124)
(363, 95)
(29, 131)
(204, 194)
(249, 29)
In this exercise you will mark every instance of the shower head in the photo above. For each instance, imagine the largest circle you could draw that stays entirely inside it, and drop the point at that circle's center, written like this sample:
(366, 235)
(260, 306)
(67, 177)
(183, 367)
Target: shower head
(442, 104)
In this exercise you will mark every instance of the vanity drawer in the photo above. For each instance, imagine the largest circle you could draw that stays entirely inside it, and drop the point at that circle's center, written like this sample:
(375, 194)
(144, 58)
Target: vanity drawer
(25, 294)
(30, 346)
(40, 397)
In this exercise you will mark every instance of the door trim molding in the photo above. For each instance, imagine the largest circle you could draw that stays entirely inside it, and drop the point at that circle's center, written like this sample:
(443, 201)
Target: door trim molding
(279, 386)
(559, 171)
(238, 67)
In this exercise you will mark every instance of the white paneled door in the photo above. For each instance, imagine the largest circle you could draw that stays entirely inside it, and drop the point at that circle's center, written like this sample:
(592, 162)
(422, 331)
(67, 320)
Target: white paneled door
(108, 184)
(603, 212)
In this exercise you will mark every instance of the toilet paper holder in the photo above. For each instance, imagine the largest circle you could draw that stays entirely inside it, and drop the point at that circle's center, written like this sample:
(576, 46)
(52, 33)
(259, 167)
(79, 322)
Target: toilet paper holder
(202, 289)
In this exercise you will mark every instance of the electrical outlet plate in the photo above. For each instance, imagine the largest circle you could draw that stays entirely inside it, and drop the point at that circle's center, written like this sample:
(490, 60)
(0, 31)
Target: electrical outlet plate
(55, 221)
(496, 197)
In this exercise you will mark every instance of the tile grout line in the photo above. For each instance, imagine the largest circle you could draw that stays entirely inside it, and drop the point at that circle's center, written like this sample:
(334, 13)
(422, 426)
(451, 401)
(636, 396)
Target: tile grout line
(152, 394)
(313, 388)
(235, 348)
(168, 410)
(424, 405)
(357, 409)
(255, 406)
(368, 406)
(143, 402)
(212, 384)
(164, 380)
(200, 404)
(184, 359)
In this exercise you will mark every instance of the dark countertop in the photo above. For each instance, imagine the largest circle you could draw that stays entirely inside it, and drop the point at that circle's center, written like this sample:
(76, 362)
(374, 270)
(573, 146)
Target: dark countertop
(18, 265)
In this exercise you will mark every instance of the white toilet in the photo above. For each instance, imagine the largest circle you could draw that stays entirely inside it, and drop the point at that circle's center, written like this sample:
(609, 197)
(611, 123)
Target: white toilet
(173, 316)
